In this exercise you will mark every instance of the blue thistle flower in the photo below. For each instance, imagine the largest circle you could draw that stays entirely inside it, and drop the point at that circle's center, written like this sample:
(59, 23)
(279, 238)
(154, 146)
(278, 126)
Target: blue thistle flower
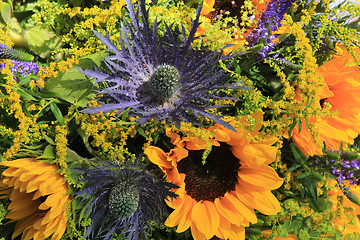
(122, 198)
(160, 78)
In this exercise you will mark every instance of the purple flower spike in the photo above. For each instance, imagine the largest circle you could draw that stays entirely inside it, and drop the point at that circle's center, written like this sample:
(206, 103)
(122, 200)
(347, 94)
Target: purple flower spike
(269, 22)
(160, 78)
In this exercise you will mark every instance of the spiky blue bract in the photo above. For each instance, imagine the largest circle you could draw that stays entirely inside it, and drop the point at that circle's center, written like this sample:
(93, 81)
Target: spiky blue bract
(141, 54)
(123, 199)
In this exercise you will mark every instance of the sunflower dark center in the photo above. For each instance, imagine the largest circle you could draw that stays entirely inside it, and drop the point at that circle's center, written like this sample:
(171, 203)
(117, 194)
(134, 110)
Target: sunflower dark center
(164, 82)
(124, 199)
(213, 179)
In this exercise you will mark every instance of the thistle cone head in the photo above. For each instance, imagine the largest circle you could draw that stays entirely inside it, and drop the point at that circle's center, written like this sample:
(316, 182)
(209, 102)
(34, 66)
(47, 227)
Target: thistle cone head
(165, 81)
(124, 199)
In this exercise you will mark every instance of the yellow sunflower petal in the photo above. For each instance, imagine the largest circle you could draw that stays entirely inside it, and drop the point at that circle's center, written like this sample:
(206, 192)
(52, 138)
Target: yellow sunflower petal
(263, 201)
(202, 215)
(214, 218)
(185, 220)
(18, 163)
(196, 233)
(158, 157)
(264, 177)
(21, 225)
(248, 213)
(60, 229)
(229, 231)
(26, 181)
(255, 155)
(54, 212)
(228, 211)
(175, 217)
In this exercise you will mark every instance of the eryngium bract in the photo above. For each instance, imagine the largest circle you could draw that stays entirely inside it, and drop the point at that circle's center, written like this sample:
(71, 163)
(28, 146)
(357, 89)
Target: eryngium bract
(122, 199)
(160, 77)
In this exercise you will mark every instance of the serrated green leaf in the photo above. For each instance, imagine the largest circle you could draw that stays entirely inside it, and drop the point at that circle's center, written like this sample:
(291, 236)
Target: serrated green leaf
(72, 86)
(5, 12)
(298, 154)
(88, 61)
(57, 113)
(36, 36)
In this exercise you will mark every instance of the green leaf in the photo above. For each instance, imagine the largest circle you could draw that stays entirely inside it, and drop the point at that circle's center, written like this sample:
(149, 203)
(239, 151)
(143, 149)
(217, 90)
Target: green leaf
(48, 139)
(300, 125)
(88, 61)
(5, 12)
(298, 154)
(141, 132)
(291, 128)
(57, 113)
(48, 153)
(85, 211)
(26, 95)
(36, 36)
(125, 114)
(352, 197)
(71, 86)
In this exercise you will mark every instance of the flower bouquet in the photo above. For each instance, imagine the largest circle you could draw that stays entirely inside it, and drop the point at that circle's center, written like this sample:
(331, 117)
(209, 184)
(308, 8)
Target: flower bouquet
(166, 119)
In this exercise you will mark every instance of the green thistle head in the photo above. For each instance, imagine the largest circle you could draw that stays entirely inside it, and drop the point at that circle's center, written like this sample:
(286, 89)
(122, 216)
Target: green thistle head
(164, 82)
(124, 199)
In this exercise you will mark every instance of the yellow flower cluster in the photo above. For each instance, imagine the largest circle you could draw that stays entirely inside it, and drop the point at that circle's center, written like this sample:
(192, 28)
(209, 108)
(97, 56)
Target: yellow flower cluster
(90, 19)
(108, 132)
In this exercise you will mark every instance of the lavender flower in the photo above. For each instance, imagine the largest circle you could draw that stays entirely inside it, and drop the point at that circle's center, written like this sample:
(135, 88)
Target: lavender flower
(269, 22)
(346, 167)
(23, 68)
(122, 198)
(160, 78)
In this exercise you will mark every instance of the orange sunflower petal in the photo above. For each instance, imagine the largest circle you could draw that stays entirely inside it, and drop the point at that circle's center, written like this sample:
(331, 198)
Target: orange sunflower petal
(175, 217)
(264, 177)
(157, 156)
(205, 218)
(264, 201)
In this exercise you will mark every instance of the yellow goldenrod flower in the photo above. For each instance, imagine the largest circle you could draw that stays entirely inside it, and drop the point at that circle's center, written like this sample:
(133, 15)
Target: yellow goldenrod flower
(38, 195)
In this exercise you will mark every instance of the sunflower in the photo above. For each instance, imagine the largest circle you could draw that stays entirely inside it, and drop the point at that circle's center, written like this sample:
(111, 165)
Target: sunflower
(38, 195)
(341, 91)
(219, 197)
